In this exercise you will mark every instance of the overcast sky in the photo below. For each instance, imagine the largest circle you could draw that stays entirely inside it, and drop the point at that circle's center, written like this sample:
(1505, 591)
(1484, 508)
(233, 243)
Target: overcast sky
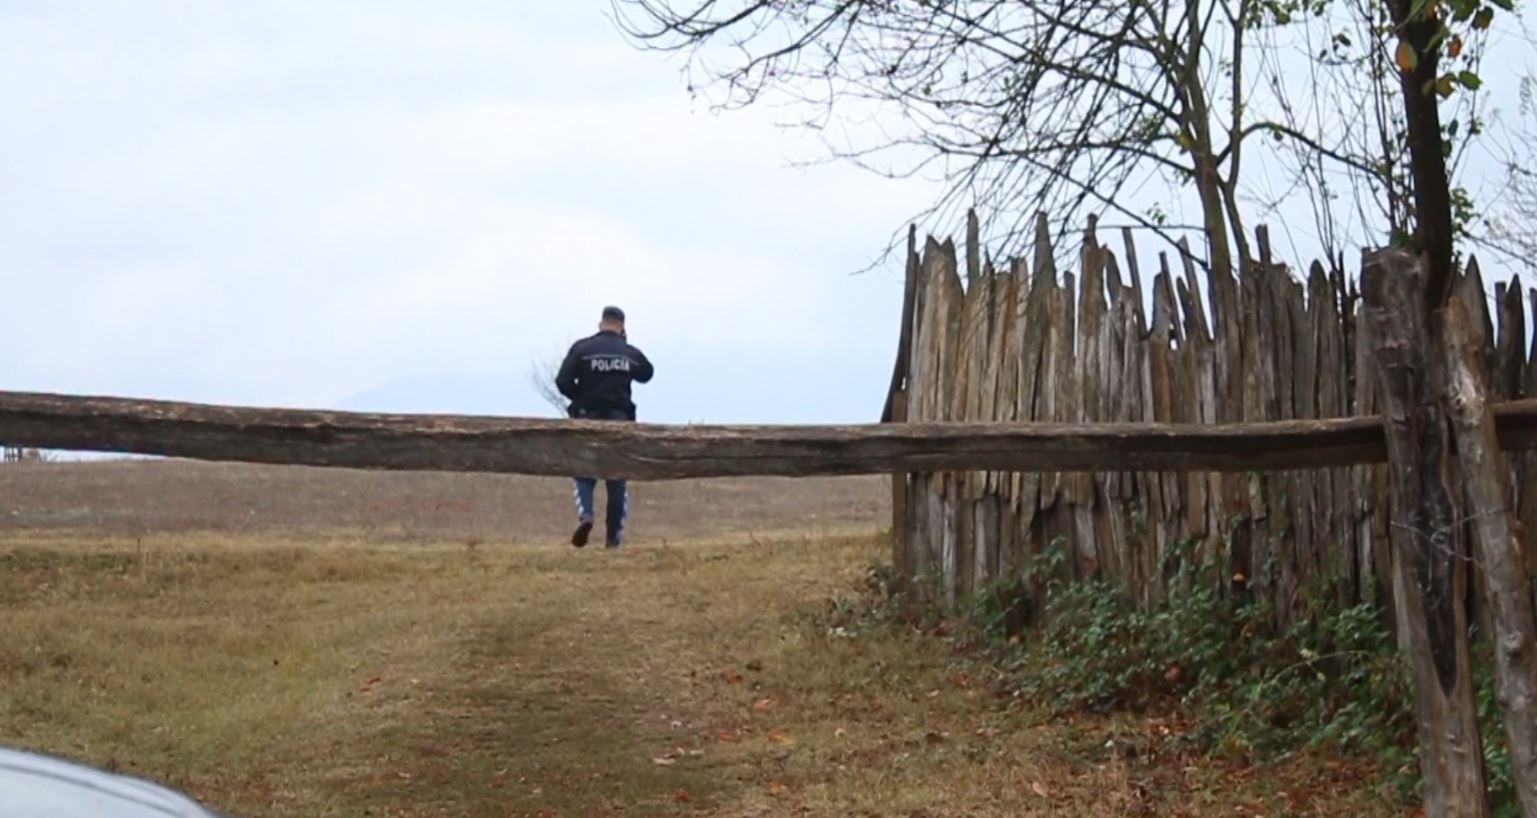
(402, 205)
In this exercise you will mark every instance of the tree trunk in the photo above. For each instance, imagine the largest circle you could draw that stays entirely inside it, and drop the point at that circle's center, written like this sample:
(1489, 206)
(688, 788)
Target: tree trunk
(1496, 546)
(1430, 567)
(1427, 160)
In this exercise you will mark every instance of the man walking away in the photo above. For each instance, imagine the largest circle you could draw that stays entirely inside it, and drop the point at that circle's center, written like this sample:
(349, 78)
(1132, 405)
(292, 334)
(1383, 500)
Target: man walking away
(596, 377)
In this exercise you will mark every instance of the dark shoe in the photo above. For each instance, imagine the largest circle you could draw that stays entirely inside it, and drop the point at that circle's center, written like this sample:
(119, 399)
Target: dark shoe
(583, 531)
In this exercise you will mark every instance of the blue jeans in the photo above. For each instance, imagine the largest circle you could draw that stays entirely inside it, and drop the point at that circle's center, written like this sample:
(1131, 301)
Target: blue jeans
(618, 505)
(618, 491)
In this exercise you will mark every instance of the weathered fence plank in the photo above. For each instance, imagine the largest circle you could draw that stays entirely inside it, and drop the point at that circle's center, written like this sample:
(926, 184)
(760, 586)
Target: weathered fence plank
(659, 452)
(1497, 549)
(1430, 567)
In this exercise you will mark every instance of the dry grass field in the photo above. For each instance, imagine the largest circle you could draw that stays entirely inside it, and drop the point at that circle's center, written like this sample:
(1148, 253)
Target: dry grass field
(291, 642)
(137, 498)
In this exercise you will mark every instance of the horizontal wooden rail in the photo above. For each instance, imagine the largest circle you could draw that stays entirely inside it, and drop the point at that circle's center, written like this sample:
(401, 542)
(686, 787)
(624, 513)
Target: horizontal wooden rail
(656, 452)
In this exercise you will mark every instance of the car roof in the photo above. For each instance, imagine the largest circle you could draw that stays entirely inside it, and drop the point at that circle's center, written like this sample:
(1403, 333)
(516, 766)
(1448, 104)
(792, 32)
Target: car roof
(33, 785)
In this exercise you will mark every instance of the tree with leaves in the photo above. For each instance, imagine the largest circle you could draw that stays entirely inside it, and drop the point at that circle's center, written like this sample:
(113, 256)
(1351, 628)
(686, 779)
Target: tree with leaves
(1433, 59)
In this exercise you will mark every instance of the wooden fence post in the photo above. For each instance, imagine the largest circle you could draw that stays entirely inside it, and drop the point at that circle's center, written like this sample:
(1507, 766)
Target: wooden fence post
(1496, 545)
(1429, 566)
(896, 402)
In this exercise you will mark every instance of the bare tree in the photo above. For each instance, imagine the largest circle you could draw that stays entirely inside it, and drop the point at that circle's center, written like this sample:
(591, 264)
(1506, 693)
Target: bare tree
(22, 454)
(1052, 106)
(1510, 226)
(541, 375)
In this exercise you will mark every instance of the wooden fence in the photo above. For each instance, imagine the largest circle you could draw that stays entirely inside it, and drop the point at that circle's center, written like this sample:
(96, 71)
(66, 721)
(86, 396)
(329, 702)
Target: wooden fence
(1032, 409)
(363, 440)
(1031, 343)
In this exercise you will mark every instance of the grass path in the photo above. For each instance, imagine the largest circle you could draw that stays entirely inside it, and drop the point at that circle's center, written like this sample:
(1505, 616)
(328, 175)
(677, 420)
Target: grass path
(274, 678)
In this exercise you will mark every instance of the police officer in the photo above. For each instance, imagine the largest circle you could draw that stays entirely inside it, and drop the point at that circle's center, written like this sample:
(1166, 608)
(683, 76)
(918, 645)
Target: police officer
(596, 377)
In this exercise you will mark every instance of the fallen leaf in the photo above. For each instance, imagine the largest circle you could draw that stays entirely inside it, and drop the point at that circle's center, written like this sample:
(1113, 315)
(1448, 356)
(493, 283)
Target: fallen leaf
(840, 733)
(777, 787)
(663, 761)
(731, 677)
(780, 738)
(762, 704)
(681, 796)
(1039, 789)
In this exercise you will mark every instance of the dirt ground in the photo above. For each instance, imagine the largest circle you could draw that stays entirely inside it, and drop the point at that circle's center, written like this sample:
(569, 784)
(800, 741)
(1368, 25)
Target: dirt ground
(321, 659)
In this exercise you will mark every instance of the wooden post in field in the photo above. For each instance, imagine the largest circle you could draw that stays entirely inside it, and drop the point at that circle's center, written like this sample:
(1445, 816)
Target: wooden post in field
(1429, 564)
(1497, 549)
(896, 403)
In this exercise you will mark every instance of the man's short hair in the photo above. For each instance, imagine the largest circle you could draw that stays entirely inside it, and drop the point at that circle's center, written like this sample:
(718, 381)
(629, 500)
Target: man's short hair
(613, 314)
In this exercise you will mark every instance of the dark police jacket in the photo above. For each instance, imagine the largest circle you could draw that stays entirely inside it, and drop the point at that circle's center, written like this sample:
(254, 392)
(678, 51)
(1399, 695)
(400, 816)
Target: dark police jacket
(597, 373)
